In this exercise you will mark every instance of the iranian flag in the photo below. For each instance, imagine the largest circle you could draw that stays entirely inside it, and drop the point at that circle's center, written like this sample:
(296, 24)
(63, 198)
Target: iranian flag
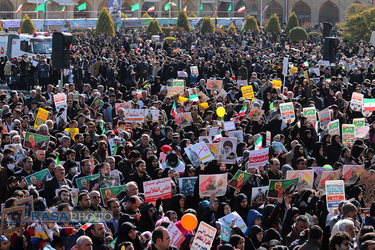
(265, 8)
(215, 10)
(242, 9)
(151, 9)
(63, 9)
(305, 64)
(369, 104)
(258, 143)
(194, 98)
(185, 9)
(174, 110)
(242, 111)
(316, 126)
(217, 137)
(19, 9)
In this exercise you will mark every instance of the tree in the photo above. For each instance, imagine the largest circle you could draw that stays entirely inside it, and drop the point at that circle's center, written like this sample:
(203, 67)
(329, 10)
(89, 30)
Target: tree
(105, 24)
(153, 27)
(192, 14)
(292, 22)
(359, 26)
(298, 34)
(27, 25)
(232, 28)
(183, 21)
(355, 8)
(207, 25)
(123, 15)
(1, 27)
(273, 24)
(251, 24)
(146, 15)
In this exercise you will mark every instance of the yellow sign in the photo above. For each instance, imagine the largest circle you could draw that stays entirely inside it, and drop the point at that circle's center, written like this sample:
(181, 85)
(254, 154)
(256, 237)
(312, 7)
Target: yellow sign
(293, 70)
(182, 99)
(41, 117)
(203, 106)
(276, 83)
(306, 75)
(72, 132)
(247, 92)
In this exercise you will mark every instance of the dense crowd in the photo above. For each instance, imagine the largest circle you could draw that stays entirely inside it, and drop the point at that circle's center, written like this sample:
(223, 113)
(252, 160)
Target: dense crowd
(92, 135)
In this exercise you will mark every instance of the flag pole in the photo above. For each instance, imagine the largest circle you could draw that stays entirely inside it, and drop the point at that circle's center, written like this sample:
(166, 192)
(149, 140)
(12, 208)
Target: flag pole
(45, 16)
(232, 9)
(261, 9)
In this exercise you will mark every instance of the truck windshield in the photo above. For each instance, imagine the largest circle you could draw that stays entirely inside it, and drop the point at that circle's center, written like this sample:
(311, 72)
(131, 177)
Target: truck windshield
(42, 46)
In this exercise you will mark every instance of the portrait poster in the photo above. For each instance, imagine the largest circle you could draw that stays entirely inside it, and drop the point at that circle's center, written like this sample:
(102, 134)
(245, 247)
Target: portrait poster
(157, 189)
(319, 171)
(238, 221)
(199, 153)
(152, 115)
(184, 119)
(356, 102)
(229, 125)
(213, 184)
(328, 176)
(115, 10)
(258, 196)
(214, 84)
(204, 237)
(206, 139)
(12, 220)
(241, 82)
(255, 114)
(239, 179)
(124, 105)
(35, 141)
(215, 149)
(236, 134)
(281, 188)
(334, 128)
(287, 112)
(97, 103)
(335, 193)
(305, 178)
(187, 184)
(351, 173)
(83, 183)
(19, 151)
(228, 149)
(38, 179)
(110, 192)
(225, 233)
(258, 158)
(41, 117)
(324, 118)
(28, 202)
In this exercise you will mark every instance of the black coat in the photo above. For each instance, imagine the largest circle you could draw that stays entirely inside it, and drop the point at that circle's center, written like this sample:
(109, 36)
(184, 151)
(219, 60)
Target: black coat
(50, 187)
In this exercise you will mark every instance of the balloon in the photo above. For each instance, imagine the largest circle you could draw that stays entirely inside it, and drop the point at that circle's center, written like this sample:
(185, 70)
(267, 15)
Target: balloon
(189, 221)
(220, 111)
(327, 166)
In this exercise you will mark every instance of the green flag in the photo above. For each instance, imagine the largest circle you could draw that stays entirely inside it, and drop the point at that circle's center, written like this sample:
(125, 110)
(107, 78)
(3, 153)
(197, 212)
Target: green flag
(135, 7)
(57, 160)
(167, 6)
(201, 8)
(41, 7)
(230, 8)
(81, 7)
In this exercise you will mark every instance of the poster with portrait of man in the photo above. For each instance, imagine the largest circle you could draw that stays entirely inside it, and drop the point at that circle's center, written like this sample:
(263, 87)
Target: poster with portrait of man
(115, 10)
(280, 188)
(83, 182)
(228, 149)
(38, 179)
(12, 220)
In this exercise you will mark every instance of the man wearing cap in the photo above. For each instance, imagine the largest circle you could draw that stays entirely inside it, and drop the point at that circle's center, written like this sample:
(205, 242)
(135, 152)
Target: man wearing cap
(14, 184)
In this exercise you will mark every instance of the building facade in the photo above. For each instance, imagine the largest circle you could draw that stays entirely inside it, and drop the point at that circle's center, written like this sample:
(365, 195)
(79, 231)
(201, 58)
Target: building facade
(309, 12)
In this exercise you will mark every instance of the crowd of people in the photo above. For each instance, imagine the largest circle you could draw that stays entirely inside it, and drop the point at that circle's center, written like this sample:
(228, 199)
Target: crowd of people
(132, 71)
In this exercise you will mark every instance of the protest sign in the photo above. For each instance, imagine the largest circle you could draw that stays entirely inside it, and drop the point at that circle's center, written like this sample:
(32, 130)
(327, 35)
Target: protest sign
(239, 179)
(348, 135)
(310, 114)
(285, 66)
(206, 139)
(359, 122)
(241, 82)
(187, 185)
(281, 188)
(204, 238)
(157, 189)
(306, 75)
(225, 233)
(334, 128)
(328, 176)
(238, 221)
(287, 112)
(268, 138)
(214, 84)
(83, 183)
(72, 132)
(194, 70)
(176, 236)
(215, 149)
(258, 196)
(351, 173)
(247, 92)
(293, 70)
(18, 150)
(97, 103)
(182, 74)
(203, 96)
(41, 117)
(29, 205)
(255, 114)
(316, 71)
(110, 192)
(236, 134)
(324, 118)
(305, 178)
(124, 105)
(356, 102)
(229, 125)
(228, 149)
(12, 220)
(276, 84)
(134, 115)
(60, 102)
(184, 119)
(178, 83)
(335, 193)
(361, 132)
(222, 93)
(151, 115)
(319, 171)
(35, 141)
(198, 153)
(38, 179)
(213, 184)
(258, 158)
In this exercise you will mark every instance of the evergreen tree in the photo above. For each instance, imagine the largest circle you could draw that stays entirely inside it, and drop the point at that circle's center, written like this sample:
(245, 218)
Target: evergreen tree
(1, 27)
(232, 28)
(192, 14)
(105, 24)
(292, 22)
(298, 34)
(153, 27)
(27, 25)
(207, 25)
(123, 15)
(273, 24)
(146, 15)
(251, 24)
(183, 21)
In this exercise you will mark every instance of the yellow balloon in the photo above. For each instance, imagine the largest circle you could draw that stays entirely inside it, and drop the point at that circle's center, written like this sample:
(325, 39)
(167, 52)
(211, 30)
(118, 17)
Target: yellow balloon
(220, 111)
(189, 221)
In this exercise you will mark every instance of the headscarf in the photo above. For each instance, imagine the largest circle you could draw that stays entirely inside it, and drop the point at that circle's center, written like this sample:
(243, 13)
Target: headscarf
(123, 232)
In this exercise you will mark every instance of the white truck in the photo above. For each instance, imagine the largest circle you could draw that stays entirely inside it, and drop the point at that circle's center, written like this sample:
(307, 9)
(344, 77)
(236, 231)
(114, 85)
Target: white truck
(16, 45)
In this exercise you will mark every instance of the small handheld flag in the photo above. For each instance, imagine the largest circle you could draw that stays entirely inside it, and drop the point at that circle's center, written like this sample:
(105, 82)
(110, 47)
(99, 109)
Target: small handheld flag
(63, 9)
(305, 64)
(258, 143)
(242, 111)
(19, 9)
(174, 110)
